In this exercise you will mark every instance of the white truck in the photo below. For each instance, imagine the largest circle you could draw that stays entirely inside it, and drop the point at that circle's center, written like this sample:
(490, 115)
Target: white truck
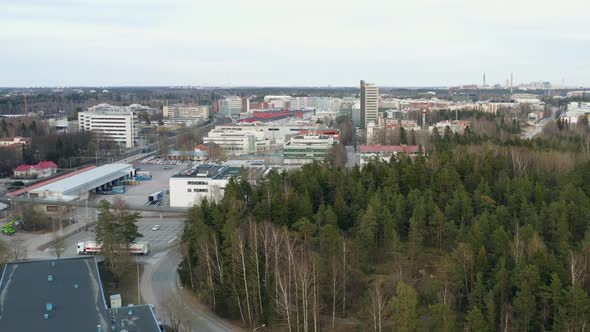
(94, 247)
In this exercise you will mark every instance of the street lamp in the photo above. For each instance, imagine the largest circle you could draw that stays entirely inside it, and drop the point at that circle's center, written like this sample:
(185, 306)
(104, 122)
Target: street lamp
(261, 326)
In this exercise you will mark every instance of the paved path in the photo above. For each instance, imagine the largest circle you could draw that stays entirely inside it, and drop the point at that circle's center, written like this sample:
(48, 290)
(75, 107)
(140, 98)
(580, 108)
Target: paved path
(160, 283)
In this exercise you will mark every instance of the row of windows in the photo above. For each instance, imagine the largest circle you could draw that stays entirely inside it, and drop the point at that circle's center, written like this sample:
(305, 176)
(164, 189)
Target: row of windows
(197, 190)
(197, 183)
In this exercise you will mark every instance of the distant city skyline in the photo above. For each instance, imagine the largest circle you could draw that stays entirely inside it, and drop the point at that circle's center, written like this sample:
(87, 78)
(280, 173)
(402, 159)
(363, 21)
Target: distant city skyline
(423, 43)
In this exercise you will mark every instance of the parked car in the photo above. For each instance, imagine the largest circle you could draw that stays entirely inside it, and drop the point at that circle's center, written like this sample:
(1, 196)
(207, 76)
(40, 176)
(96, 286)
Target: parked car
(156, 227)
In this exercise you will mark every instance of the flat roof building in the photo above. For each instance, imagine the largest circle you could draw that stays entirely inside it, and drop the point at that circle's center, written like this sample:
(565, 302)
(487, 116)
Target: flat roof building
(64, 295)
(208, 181)
(303, 149)
(231, 106)
(117, 123)
(235, 141)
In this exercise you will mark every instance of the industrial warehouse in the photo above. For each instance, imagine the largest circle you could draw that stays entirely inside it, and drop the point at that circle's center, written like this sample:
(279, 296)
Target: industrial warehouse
(82, 185)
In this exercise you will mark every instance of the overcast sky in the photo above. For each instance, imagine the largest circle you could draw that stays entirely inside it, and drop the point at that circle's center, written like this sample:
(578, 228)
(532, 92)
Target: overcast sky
(292, 42)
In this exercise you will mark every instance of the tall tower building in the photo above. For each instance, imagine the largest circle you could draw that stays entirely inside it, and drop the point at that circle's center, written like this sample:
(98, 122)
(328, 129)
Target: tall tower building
(369, 103)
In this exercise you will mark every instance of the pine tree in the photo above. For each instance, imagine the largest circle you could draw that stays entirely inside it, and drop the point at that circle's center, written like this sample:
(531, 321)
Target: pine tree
(403, 307)
(476, 321)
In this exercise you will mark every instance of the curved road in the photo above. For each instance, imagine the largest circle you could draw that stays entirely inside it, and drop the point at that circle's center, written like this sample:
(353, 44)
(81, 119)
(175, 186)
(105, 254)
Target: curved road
(160, 283)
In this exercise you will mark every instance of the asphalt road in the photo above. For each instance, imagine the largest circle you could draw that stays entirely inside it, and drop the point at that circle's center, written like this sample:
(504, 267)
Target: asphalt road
(160, 284)
(170, 230)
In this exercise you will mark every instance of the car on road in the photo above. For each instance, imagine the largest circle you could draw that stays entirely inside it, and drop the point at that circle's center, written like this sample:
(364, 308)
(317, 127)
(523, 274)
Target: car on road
(155, 227)
(167, 167)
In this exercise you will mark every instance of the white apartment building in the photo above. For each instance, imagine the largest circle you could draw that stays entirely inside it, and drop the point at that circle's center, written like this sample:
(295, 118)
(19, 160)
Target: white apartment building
(116, 123)
(237, 142)
(369, 103)
(186, 111)
(303, 149)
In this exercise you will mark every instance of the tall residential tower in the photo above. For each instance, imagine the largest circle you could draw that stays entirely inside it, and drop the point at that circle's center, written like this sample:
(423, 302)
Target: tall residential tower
(369, 103)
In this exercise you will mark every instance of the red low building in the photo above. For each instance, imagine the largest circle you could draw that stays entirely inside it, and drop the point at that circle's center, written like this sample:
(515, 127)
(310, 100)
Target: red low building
(42, 170)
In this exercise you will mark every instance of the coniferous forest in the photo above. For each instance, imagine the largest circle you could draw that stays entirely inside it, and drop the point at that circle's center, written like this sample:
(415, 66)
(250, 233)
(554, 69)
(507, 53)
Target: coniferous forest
(476, 237)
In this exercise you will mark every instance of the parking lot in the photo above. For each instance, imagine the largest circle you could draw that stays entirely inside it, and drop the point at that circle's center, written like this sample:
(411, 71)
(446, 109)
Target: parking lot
(138, 194)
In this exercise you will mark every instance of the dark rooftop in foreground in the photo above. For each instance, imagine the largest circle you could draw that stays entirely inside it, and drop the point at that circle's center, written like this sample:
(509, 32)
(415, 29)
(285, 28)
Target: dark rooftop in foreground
(68, 291)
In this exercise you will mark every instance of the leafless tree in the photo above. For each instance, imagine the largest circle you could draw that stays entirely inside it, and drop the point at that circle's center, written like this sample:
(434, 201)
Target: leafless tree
(216, 153)
(58, 246)
(379, 299)
(17, 250)
(177, 316)
(185, 253)
(576, 268)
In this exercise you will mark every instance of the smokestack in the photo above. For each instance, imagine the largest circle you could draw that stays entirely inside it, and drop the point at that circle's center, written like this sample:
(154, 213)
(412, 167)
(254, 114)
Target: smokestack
(26, 106)
(423, 119)
(511, 82)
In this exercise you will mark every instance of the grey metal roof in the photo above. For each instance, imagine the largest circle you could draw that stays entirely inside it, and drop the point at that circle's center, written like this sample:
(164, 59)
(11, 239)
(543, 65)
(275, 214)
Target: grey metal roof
(75, 293)
(86, 180)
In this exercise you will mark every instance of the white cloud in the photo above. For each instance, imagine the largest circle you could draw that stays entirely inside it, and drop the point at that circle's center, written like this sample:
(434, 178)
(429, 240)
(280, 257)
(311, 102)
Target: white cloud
(260, 42)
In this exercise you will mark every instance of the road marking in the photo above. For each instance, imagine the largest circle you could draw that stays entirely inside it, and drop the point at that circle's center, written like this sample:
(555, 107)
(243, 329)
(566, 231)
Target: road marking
(174, 238)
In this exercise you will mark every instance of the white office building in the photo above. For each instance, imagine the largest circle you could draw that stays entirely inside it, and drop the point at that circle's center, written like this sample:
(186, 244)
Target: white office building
(303, 149)
(237, 142)
(208, 181)
(116, 123)
(233, 105)
(275, 133)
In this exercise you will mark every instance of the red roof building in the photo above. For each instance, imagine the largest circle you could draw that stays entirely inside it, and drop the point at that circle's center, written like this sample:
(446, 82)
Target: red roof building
(42, 170)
